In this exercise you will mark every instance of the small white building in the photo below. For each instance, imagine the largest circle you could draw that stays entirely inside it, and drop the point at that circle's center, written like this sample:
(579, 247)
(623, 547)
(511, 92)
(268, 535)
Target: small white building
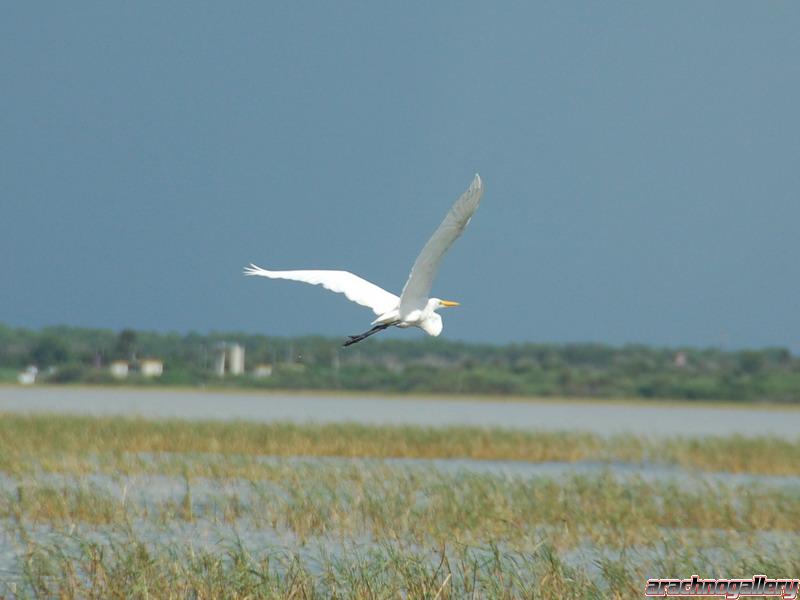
(119, 369)
(262, 370)
(28, 376)
(151, 367)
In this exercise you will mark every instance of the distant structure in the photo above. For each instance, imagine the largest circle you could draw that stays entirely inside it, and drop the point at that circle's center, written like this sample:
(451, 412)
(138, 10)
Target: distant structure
(219, 362)
(236, 359)
(151, 367)
(28, 376)
(229, 359)
(262, 370)
(146, 367)
(680, 359)
(119, 369)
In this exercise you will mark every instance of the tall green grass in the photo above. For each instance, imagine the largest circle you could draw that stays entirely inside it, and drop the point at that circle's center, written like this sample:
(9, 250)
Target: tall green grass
(124, 564)
(425, 505)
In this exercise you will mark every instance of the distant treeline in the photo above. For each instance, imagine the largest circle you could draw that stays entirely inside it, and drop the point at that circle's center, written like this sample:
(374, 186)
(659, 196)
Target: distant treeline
(71, 354)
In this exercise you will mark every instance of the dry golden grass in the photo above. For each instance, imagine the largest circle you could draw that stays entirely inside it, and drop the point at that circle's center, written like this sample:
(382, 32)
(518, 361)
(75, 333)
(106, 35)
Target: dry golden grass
(60, 438)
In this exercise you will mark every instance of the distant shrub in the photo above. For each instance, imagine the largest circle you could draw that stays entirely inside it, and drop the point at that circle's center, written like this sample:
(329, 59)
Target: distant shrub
(68, 373)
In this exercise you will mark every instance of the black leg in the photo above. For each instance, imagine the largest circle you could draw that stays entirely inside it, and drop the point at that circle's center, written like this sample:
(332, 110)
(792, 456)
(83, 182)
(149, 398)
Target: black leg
(352, 339)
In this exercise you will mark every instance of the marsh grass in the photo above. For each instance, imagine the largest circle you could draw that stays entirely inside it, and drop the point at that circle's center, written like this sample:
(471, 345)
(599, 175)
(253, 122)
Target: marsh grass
(425, 506)
(54, 441)
(67, 503)
(120, 508)
(127, 566)
(131, 568)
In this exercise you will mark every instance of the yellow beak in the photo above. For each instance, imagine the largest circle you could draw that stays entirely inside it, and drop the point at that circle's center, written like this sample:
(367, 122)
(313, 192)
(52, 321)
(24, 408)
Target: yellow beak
(449, 303)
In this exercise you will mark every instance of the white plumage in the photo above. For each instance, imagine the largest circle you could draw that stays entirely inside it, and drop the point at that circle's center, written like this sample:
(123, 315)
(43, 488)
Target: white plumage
(413, 307)
(420, 280)
(354, 288)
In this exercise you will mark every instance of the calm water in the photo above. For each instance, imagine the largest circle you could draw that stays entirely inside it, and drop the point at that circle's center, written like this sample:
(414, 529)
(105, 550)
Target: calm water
(600, 417)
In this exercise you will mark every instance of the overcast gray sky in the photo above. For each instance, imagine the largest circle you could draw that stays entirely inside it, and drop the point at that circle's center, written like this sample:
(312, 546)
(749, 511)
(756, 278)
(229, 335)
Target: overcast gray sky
(641, 163)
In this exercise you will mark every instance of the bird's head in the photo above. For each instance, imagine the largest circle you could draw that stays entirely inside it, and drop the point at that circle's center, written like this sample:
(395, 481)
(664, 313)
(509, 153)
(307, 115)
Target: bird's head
(439, 303)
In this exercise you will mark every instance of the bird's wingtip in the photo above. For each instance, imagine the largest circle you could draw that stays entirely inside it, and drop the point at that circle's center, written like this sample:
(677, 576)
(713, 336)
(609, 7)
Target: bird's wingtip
(251, 270)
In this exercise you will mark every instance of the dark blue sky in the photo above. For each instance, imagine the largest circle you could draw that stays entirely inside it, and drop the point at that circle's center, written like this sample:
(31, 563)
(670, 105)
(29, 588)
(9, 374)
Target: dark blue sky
(642, 165)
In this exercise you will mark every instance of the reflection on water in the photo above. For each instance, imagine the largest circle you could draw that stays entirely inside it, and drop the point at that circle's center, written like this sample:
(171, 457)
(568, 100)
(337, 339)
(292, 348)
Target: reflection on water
(601, 417)
(158, 488)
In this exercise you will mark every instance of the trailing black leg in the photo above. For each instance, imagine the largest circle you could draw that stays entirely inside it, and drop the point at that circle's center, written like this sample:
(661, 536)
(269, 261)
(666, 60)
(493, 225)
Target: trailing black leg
(352, 339)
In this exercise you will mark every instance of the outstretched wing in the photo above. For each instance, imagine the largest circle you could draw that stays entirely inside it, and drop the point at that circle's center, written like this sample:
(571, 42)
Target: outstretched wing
(418, 287)
(355, 288)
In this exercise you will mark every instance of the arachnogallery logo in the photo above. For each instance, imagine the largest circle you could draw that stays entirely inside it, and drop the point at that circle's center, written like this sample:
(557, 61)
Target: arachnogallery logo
(758, 585)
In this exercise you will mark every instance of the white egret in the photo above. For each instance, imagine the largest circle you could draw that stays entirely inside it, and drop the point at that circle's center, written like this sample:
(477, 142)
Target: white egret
(413, 307)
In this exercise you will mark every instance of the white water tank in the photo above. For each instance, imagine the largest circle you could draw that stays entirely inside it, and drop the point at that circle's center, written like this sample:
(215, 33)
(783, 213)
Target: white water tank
(235, 359)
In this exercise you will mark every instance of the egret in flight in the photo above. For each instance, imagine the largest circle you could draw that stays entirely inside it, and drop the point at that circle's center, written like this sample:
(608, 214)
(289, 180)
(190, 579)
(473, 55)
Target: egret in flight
(413, 307)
